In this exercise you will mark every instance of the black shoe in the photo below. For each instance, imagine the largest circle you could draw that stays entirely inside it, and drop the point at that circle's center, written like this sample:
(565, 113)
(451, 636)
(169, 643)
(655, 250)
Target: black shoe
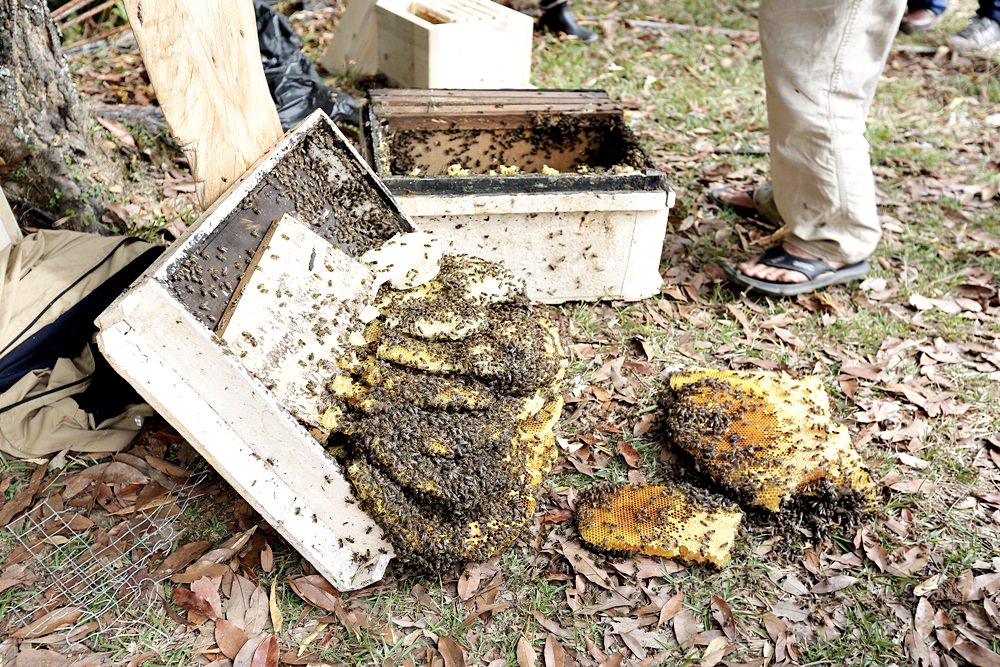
(560, 20)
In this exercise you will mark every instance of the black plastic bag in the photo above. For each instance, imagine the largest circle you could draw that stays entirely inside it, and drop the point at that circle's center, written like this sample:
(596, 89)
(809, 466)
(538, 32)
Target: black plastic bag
(295, 87)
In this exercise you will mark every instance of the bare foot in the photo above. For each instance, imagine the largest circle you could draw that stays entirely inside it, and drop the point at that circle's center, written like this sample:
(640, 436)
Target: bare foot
(735, 196)
(773, 274)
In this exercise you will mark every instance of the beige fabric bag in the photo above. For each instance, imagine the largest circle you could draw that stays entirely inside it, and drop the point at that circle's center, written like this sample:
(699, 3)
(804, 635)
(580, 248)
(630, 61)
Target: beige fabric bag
(56, 392)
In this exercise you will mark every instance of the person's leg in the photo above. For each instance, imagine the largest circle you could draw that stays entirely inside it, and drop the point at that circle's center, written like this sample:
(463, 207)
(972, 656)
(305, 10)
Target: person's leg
(558, 18)
(982, 35)
(822, 62)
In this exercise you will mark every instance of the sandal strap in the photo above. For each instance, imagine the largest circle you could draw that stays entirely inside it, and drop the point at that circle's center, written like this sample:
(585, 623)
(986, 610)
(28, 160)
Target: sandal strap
(779, 258)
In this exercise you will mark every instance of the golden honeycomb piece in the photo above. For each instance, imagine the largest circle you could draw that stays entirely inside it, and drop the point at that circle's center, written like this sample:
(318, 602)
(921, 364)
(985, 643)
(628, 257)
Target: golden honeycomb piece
(434, 540)
(764, 435)
(673, 521)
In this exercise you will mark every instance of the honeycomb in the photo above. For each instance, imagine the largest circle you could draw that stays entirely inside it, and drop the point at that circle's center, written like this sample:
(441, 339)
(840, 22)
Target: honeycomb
(765, 436)
(675, 521)
(444, 412)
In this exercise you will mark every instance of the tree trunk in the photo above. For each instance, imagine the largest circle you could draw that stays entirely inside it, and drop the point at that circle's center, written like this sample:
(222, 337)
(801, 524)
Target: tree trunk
(50, 158)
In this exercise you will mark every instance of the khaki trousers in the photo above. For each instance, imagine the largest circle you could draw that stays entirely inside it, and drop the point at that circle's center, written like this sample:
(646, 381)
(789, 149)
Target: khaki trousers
(822, 60)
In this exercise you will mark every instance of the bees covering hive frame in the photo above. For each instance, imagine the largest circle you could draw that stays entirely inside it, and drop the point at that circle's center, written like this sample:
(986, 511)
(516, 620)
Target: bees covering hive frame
(444, 411)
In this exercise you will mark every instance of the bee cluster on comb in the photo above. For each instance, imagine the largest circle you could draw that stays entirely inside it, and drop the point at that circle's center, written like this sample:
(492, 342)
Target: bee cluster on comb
(764, 438)
(443, 411)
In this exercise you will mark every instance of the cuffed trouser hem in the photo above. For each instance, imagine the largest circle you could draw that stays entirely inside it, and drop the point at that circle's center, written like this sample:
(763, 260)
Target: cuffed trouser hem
(822, 61)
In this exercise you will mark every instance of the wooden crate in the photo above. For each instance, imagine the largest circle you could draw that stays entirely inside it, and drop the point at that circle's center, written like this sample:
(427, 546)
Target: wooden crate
(571, 236)
(453, 44)
(163, 335)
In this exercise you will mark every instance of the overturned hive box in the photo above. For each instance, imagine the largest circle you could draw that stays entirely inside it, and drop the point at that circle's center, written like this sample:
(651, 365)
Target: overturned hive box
(453, 44)
(551, 183)
(277, 240)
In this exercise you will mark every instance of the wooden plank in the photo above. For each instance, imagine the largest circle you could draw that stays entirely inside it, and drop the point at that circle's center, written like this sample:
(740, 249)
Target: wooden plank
(293, 313)
(10, 233)
(355, 43)
(204, 62)
(232, 421)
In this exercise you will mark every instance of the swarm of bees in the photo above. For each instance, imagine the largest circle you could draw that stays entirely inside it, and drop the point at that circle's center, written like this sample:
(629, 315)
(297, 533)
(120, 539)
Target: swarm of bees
(443, 412)
(675, 521)
(765, 437)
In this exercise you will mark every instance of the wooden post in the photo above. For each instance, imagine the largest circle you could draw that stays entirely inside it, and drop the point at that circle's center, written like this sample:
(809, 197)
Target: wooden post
(203, 60)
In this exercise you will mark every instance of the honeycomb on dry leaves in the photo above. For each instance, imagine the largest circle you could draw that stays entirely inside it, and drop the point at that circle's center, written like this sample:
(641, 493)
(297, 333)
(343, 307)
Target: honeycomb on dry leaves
(674, 521)
(765, 436)
(444, 411)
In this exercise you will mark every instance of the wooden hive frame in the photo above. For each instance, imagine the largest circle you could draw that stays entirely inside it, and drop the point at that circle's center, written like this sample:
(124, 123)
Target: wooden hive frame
(168, 351)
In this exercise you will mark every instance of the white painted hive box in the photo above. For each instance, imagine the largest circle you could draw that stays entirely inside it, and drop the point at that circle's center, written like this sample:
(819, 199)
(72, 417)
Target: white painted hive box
(163, 335)
(453, 44)
(593, 231)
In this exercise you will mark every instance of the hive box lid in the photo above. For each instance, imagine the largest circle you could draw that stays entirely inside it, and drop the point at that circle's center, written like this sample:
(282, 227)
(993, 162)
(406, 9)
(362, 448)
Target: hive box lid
(161, 336)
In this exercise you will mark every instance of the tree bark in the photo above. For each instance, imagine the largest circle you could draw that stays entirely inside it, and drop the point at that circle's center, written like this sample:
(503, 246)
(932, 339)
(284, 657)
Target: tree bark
(50, 157)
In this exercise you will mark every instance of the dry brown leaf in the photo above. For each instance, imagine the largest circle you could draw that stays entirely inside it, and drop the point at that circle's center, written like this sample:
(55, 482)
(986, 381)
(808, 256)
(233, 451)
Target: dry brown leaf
(245, 657)
(723, 615)
(714, 652)
(983, 585)
(482, 611)
(208, 590)
(526, 656)
(976, 654)
(202, 568)
(230, 547)
(50, 622)
(266, 654)
(580, 560)
(166, 467)
(118, 131)
(554, 654)
(613, 660)
(266, 558)
(112, 472)
(686, 627)
(317, 591)
(258, 612)
(670, 608)
(468, 582)
(188, 600)
(277, 620)
(451, 652)
(229, 637)
(923, 619)
(23, 499)
(834, 584)
(630, 454)
(141, 659)
(33, 657)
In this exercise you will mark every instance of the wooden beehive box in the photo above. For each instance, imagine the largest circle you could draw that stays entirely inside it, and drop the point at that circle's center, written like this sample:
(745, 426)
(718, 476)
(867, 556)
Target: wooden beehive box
(592, 231)
(453, 44)
(163, 335)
